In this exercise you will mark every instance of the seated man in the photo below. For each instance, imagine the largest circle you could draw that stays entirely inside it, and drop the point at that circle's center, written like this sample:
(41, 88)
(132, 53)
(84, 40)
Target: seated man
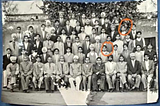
(26, 73)
(122, 72)
(110, 70)
(12, 71)
(49, 75)
(147, 70)
(62, 72)
(37, 73)
(87, 73)
(98, 73)
(133, 70)
(75, 73)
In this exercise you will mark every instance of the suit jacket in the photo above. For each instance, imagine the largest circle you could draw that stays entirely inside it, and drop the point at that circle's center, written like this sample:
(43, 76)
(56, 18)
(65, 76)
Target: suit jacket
(87, 69)
(151, 67)
(26, 68)
(113, 35)
(66, 45)
(98, 29)
(69, 57)
(75, 70)
(49, 69)
(6, 61)
(62, 22)
(44, 59)
(39, 48)
(20, 59)
(38, 69)
(28, 49)
(15, 51)
(43, 37)
(92, 38)
(85, 49)
(103, 37)
(68, 30)
(133, 70)
(122, 67)
(97, 47)
(75, 48)
(55, 58)
(13, 69)
(110, 67)
(133, 35)
(62, 70)
(83, 23)
(60, 46)
(130, 45)
(81, 57)
(48, 44)
(100, 69)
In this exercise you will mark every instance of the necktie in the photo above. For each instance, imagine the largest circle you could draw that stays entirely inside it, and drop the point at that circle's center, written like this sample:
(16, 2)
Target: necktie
(62, 67)
(49, 65)
(14, 45)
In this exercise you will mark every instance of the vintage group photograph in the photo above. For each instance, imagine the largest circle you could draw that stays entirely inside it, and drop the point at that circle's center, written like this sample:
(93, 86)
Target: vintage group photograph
(80, 53)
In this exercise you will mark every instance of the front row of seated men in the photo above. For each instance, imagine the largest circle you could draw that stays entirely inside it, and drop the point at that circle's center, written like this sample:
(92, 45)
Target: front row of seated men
(75, 74)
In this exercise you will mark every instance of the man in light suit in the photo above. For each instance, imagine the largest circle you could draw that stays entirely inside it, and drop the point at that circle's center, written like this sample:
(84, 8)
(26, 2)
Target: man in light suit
(147, 71)
(59, 44)
(19, 35)
(38, 70)
(103, 35)
(49, 75)
(62, 72)
(12, 72)
(48, 43)
(75, 73)
(134, 70)
(14, 45)
(26, 69)
(110, 70)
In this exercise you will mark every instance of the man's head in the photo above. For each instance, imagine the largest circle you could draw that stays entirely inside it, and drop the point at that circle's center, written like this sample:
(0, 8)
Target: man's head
(99, 60)
(121, 58)
(87, 38)
(125, 46)
(75, 59)
(56, 51)
(49, 59)
(9, 51)
(43, 26)
(13, 59)
(68, 49)
(38, 58)
(44, 50)
(139, 33)
(25, 58)
(80, 49)
(138, 48)
(18, 29)
(118, 37)
(110, 58)
(132, 56)
(87, 60)
(115, 47)
(61, 58)
(146, 57)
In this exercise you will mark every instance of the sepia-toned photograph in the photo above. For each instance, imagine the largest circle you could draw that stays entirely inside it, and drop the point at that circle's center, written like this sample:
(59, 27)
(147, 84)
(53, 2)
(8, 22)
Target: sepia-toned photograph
(80, 53)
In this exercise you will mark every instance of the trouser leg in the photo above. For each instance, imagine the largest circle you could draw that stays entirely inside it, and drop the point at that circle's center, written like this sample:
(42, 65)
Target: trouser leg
(84, 82)
(102, 82)
(130, 80)
(40, 82)
(78, 82)
(113, 80)
(138, 80)
(4, 78)
(144, 80)
(109, 81)
(71, 81)
(34, 82)
(94, 82)
(53, 79)
(46, 83)
(89, 83)
(23, 83)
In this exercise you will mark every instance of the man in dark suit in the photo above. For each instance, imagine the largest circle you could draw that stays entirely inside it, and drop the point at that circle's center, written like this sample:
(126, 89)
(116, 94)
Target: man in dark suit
(38, 44)
(68, 28)
(44, 55)
(6, 61)
(43, 32)
(133, 32)
(86, 45)
(27, 46)
(134, 70)
(31, 33)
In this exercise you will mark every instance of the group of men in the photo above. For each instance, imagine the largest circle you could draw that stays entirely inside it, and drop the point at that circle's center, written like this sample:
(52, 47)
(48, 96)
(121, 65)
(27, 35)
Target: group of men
(67, 52)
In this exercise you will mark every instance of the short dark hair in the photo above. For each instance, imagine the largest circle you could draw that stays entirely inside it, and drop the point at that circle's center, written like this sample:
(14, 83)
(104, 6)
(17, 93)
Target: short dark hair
(19, 27)
(55, 50)
(115, 45)
(139, 32)
(43, 25)
(98, 58)
(9, 49)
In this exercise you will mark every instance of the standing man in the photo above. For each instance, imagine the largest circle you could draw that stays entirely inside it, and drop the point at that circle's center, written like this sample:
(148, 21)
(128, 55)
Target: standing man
(26, 73)
(14, 45)
(147, 71)
(133, 70)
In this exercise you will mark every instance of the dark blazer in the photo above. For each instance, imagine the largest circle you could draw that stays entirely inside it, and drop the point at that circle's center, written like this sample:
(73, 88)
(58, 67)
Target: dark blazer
(43, 60)
(85, 50)
(133, 70)
(6, 61)
(29, 48)
(66, 46)
(45, 33)
(68, 31)
(131, 35)
(39, 48)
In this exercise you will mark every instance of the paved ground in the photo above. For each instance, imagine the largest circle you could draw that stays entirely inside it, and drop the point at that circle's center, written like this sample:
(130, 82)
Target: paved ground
(100, 98)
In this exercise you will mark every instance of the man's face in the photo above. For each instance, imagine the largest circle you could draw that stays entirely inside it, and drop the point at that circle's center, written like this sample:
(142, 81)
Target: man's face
(31, 29)
(18, 30)
(108, 38)
(138, 35)
(75, 60)
(68, 50)
(83, 16)
(104, 49)
(48, 37)
(77, 39)
(61, 59)
(52, 31)
(56, 23)
(56, 52)
(146, 57)
(133, 57)
(87, 39)
(98, 61)
(63, 31)
(38, 37)
(80, 50)
(110, 58)
(82, 29)
(121, 59)
(38, 59)
(93, 15)
(8, 52)
(93, 30)
(43, 27)
(87, 60)
(115, 48)
(67, 22)
(118, 37)
(133, 27)
(138, 48)
(125, 47)
(58, 39)
(103, 31)
(49, 59)
(113, 28)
